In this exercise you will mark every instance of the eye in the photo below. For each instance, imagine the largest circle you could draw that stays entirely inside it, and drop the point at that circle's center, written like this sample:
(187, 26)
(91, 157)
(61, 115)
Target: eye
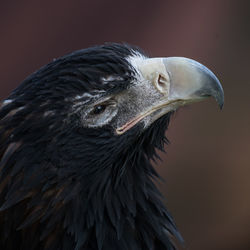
(101, 113)
(98, 109)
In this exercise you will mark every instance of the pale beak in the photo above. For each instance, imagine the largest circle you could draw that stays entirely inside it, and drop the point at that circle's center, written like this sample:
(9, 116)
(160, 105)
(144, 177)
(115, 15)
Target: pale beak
(168, 84)
(191, 81)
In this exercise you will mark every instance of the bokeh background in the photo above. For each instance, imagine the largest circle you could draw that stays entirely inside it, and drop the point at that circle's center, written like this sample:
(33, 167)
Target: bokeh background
(207, 165)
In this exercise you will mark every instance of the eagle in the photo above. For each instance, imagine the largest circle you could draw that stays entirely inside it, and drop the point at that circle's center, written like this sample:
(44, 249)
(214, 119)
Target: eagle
(77, 141)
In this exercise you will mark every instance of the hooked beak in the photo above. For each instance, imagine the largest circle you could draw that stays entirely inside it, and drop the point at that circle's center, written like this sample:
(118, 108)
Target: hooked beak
(192, 81)
(170, 83)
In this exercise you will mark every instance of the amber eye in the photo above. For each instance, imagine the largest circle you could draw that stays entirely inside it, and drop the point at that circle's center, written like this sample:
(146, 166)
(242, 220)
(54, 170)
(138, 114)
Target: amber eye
(99, 109)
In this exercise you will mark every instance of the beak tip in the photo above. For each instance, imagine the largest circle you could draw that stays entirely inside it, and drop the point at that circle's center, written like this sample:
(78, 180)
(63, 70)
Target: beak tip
(214, 87)
(221, 105)
(220, 96)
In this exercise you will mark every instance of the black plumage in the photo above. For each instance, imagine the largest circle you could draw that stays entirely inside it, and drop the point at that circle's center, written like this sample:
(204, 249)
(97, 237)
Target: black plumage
(68, 184)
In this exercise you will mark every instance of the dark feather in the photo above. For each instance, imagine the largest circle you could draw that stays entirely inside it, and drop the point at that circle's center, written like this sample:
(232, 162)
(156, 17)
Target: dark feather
(64, 186)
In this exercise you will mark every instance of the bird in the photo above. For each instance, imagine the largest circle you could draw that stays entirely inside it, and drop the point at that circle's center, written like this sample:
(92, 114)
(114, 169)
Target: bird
(77, 141)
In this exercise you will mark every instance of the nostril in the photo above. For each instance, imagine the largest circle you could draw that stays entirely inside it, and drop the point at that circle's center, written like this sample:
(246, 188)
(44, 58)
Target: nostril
(161, 80)
(162, 83)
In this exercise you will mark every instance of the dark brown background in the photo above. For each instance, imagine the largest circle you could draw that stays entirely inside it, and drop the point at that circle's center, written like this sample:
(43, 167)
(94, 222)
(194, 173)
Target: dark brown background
(207, 165)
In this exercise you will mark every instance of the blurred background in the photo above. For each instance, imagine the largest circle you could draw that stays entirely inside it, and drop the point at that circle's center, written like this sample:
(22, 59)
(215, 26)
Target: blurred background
(207, 165)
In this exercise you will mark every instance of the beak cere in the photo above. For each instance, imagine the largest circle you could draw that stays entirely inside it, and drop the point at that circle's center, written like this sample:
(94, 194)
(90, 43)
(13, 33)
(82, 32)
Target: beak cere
(178, 81)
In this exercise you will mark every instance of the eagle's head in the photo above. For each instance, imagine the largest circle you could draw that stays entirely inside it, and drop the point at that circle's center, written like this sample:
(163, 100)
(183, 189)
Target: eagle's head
(76, 138)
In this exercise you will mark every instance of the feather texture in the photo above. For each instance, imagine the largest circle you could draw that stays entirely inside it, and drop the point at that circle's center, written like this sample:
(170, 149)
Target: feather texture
(65, 186)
